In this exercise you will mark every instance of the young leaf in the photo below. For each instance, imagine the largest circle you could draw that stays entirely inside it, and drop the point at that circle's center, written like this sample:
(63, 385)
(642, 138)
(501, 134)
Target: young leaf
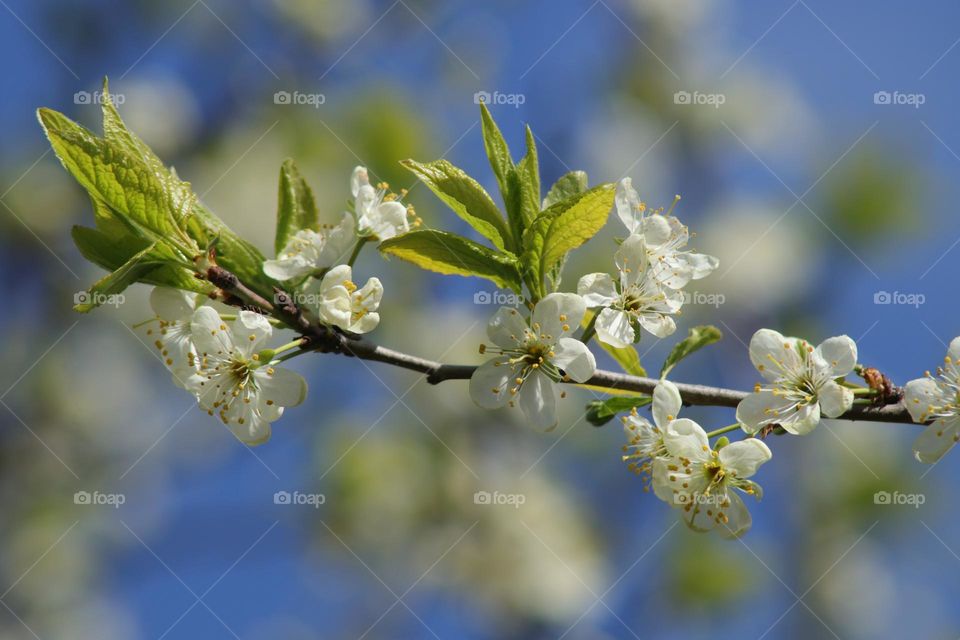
(600, 412)
(157, 254)
(566, 186)
(563, 227)
(528, 171)
(497, 150)
(448, 253)
(296, 207)
(465, 197)
(697, 338)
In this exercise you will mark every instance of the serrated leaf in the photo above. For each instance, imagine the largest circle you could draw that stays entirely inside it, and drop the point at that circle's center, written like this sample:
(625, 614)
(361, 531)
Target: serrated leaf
(600, 412)
(465, 197)
(451, 254)
(563, 227)
(697, 338)
(566, 186)
(528, 171)
(296, 208)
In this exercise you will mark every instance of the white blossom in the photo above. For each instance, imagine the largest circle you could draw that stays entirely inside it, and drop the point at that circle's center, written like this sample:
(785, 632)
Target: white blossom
(636, 299)
(700, 481)
(378, 213)
(172, 337)
(232, 379)
(644, 438)
(345, 305)
(800, 382)
(665, 239)
(531, 357)
(308, 251)
(937, 399)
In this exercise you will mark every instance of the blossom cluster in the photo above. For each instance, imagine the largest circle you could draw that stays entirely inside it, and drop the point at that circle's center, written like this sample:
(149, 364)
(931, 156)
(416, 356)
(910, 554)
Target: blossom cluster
(223, 360)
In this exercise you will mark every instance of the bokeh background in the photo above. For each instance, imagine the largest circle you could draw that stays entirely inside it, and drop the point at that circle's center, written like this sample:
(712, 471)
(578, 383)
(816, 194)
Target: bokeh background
(828, 204)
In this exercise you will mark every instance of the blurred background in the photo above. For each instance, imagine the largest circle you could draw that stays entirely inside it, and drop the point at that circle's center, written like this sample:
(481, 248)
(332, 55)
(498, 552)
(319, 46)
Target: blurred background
(815, 146)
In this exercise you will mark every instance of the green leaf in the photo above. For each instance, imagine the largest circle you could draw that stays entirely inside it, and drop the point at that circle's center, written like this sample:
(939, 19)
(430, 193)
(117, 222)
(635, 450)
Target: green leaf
(528, 171)
(600, 412)
(133, 270)
(448, 253)
(465, 197)
(566, 186)
(563, 227)
(296, 209)
(697, 338)
(497, 150)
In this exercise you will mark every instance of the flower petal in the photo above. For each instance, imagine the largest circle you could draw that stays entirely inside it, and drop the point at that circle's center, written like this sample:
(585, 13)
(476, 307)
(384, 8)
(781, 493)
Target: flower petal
(744, 456)
(801, 421)
(627, 203)
(840, 353)
(172, 304)
(507, 328)
(280, 387)
(389, 220)
(921, 395)
(250, 329)
(210, 334)
(658, 324)
(614, 328)
(597, 289)
(559, 314)
(631, 260)
(835, 400)
(490, 384)
(772, 353)
(936, 440)
(538, 402)
(656, 230)
(575, 359)
(666, 403)
(738, 520)
(759, 409)
(358, 178)
(686, 439)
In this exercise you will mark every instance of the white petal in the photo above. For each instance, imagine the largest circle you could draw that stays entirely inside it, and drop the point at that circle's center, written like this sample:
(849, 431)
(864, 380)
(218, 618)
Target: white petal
(597, 289)
(666, 403)
(250, 329)
(954, 351)
(701, 265)
(210, 334)
(771, 352)
(358, 178)
(802, 421)
(370, 295)
(171, 304)
(759, 409)
(920, 395)
(575, 359)
(254, 430)
(280, 387)
(627, 203)
(490, 384)
(366, 323)
(744, 456)
(287, 268)
(507, 328)
(738, 517)
(631, 259)
(656, 230)
(686, 439)
(336, 307)
(336, 277)
(389, 220)
(657, 324)
(538, 402)
(559, 314)
(840, 353)
(614, 328)
(936, 440)
(834, 399)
